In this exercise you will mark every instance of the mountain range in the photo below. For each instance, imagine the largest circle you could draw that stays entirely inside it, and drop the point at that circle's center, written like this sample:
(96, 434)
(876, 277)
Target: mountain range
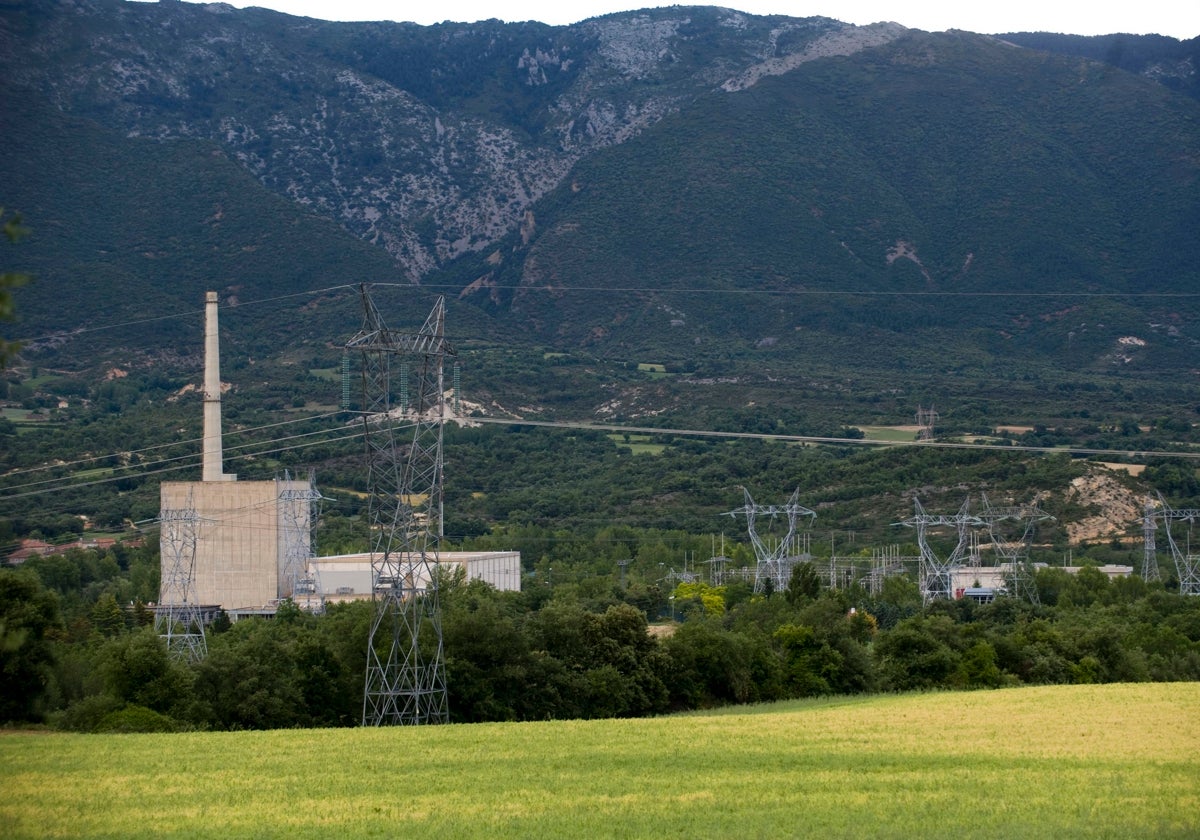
(640, 214)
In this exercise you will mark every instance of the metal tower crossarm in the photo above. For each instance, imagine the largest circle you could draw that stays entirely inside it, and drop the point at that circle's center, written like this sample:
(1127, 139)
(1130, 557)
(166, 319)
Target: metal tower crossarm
(375, 336)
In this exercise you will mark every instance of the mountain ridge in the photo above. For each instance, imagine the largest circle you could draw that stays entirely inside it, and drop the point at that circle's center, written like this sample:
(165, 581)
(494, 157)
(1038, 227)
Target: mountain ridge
(373, 100)
(734, 197)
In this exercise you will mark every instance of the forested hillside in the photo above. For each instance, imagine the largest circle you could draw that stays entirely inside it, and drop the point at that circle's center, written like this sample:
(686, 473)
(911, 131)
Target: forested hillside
(836, 221)
(1168, 61)
(685, 217)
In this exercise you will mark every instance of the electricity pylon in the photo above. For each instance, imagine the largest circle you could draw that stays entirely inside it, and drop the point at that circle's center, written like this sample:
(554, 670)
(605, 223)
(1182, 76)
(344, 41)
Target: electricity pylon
(1187, 564)
(926, 417)
(1149, 549)
(1015, 552)
(177, 619)
(774, 561)
(298, 578)
(937, 574)
(406, 673)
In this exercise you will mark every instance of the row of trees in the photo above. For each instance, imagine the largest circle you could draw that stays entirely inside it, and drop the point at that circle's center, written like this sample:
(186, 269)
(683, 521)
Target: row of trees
(580, 650)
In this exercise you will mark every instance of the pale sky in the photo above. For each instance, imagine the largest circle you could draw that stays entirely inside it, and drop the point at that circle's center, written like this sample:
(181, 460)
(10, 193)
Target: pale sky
(1177, 18)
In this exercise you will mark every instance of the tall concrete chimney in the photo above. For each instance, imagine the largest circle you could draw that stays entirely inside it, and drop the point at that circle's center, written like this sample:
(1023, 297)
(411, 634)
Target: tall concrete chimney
(213, 458)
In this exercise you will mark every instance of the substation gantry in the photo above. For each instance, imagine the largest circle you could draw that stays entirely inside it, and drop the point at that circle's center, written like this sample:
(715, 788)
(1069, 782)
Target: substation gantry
(1012, 550)
(1187, 564)
(885, 562)
(405, 680)
(936, 573)
(774, 562)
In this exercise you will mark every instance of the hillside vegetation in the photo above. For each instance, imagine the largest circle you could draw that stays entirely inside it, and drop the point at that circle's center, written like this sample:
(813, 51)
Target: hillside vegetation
(800, 210)
(81, 652)
(1168, 61)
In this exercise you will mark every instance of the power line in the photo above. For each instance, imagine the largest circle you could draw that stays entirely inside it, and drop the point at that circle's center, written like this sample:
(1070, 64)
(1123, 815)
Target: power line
(617, 429)
(193, 461)
(132, 452)
(834, 441)
(692, 290)
(181, 314)
(184, 457)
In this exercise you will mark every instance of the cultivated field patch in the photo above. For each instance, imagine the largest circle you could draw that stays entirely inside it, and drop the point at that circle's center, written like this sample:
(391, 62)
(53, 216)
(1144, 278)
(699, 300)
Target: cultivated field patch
(1082, 761)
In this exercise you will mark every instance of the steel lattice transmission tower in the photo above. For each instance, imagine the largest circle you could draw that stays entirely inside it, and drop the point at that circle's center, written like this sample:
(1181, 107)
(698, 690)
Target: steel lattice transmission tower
(1187, 564)
(926, 417)
(937, 574)
(177, 619)
(1015, 552)
(406, 672)
(297, 512)
(774, 562)
(1149, 549)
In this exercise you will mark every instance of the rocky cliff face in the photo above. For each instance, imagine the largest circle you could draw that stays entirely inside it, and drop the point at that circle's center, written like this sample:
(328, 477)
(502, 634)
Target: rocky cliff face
(428, 141)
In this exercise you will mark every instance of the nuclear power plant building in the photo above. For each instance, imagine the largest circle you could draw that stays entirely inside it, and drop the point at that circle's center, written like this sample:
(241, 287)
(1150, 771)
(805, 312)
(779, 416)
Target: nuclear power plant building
(250, 541)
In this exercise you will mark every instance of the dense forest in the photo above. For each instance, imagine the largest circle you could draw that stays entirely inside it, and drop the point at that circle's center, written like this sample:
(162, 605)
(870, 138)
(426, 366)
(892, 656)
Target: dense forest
(80, 652)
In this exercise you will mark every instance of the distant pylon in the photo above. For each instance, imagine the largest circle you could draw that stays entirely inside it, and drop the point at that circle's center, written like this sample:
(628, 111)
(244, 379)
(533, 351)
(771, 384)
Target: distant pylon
(1187, 564)
(774, 561)
(405, 674)
(177, 618)
(926, 417)
(298, 578)
(1015, 552)
(937, 574)
(1149, 549)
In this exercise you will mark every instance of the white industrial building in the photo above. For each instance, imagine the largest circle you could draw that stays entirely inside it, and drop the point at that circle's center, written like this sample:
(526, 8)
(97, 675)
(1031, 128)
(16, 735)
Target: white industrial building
(984, 583)
(348, 577)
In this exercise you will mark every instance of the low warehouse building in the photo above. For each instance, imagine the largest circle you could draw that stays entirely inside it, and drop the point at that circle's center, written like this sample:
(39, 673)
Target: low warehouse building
(349, 577)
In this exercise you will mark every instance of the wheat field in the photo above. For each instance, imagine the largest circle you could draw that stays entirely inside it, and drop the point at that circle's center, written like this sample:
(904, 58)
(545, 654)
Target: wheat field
(1114, 761)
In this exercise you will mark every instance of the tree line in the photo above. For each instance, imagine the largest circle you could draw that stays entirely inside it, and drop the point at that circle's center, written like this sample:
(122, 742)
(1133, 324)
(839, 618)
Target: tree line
(76, 655)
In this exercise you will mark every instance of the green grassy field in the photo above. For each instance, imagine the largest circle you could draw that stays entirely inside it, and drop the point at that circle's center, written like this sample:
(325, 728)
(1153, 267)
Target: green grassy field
(1115, 761)
(652, 370)
(638, 444)
(889, 433)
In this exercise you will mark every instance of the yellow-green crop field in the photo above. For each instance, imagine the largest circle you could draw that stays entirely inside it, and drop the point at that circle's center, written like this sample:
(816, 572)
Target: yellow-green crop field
(1120, 761)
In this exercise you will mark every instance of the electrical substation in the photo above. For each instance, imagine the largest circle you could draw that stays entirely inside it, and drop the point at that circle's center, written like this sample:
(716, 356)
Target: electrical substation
(959, 572)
